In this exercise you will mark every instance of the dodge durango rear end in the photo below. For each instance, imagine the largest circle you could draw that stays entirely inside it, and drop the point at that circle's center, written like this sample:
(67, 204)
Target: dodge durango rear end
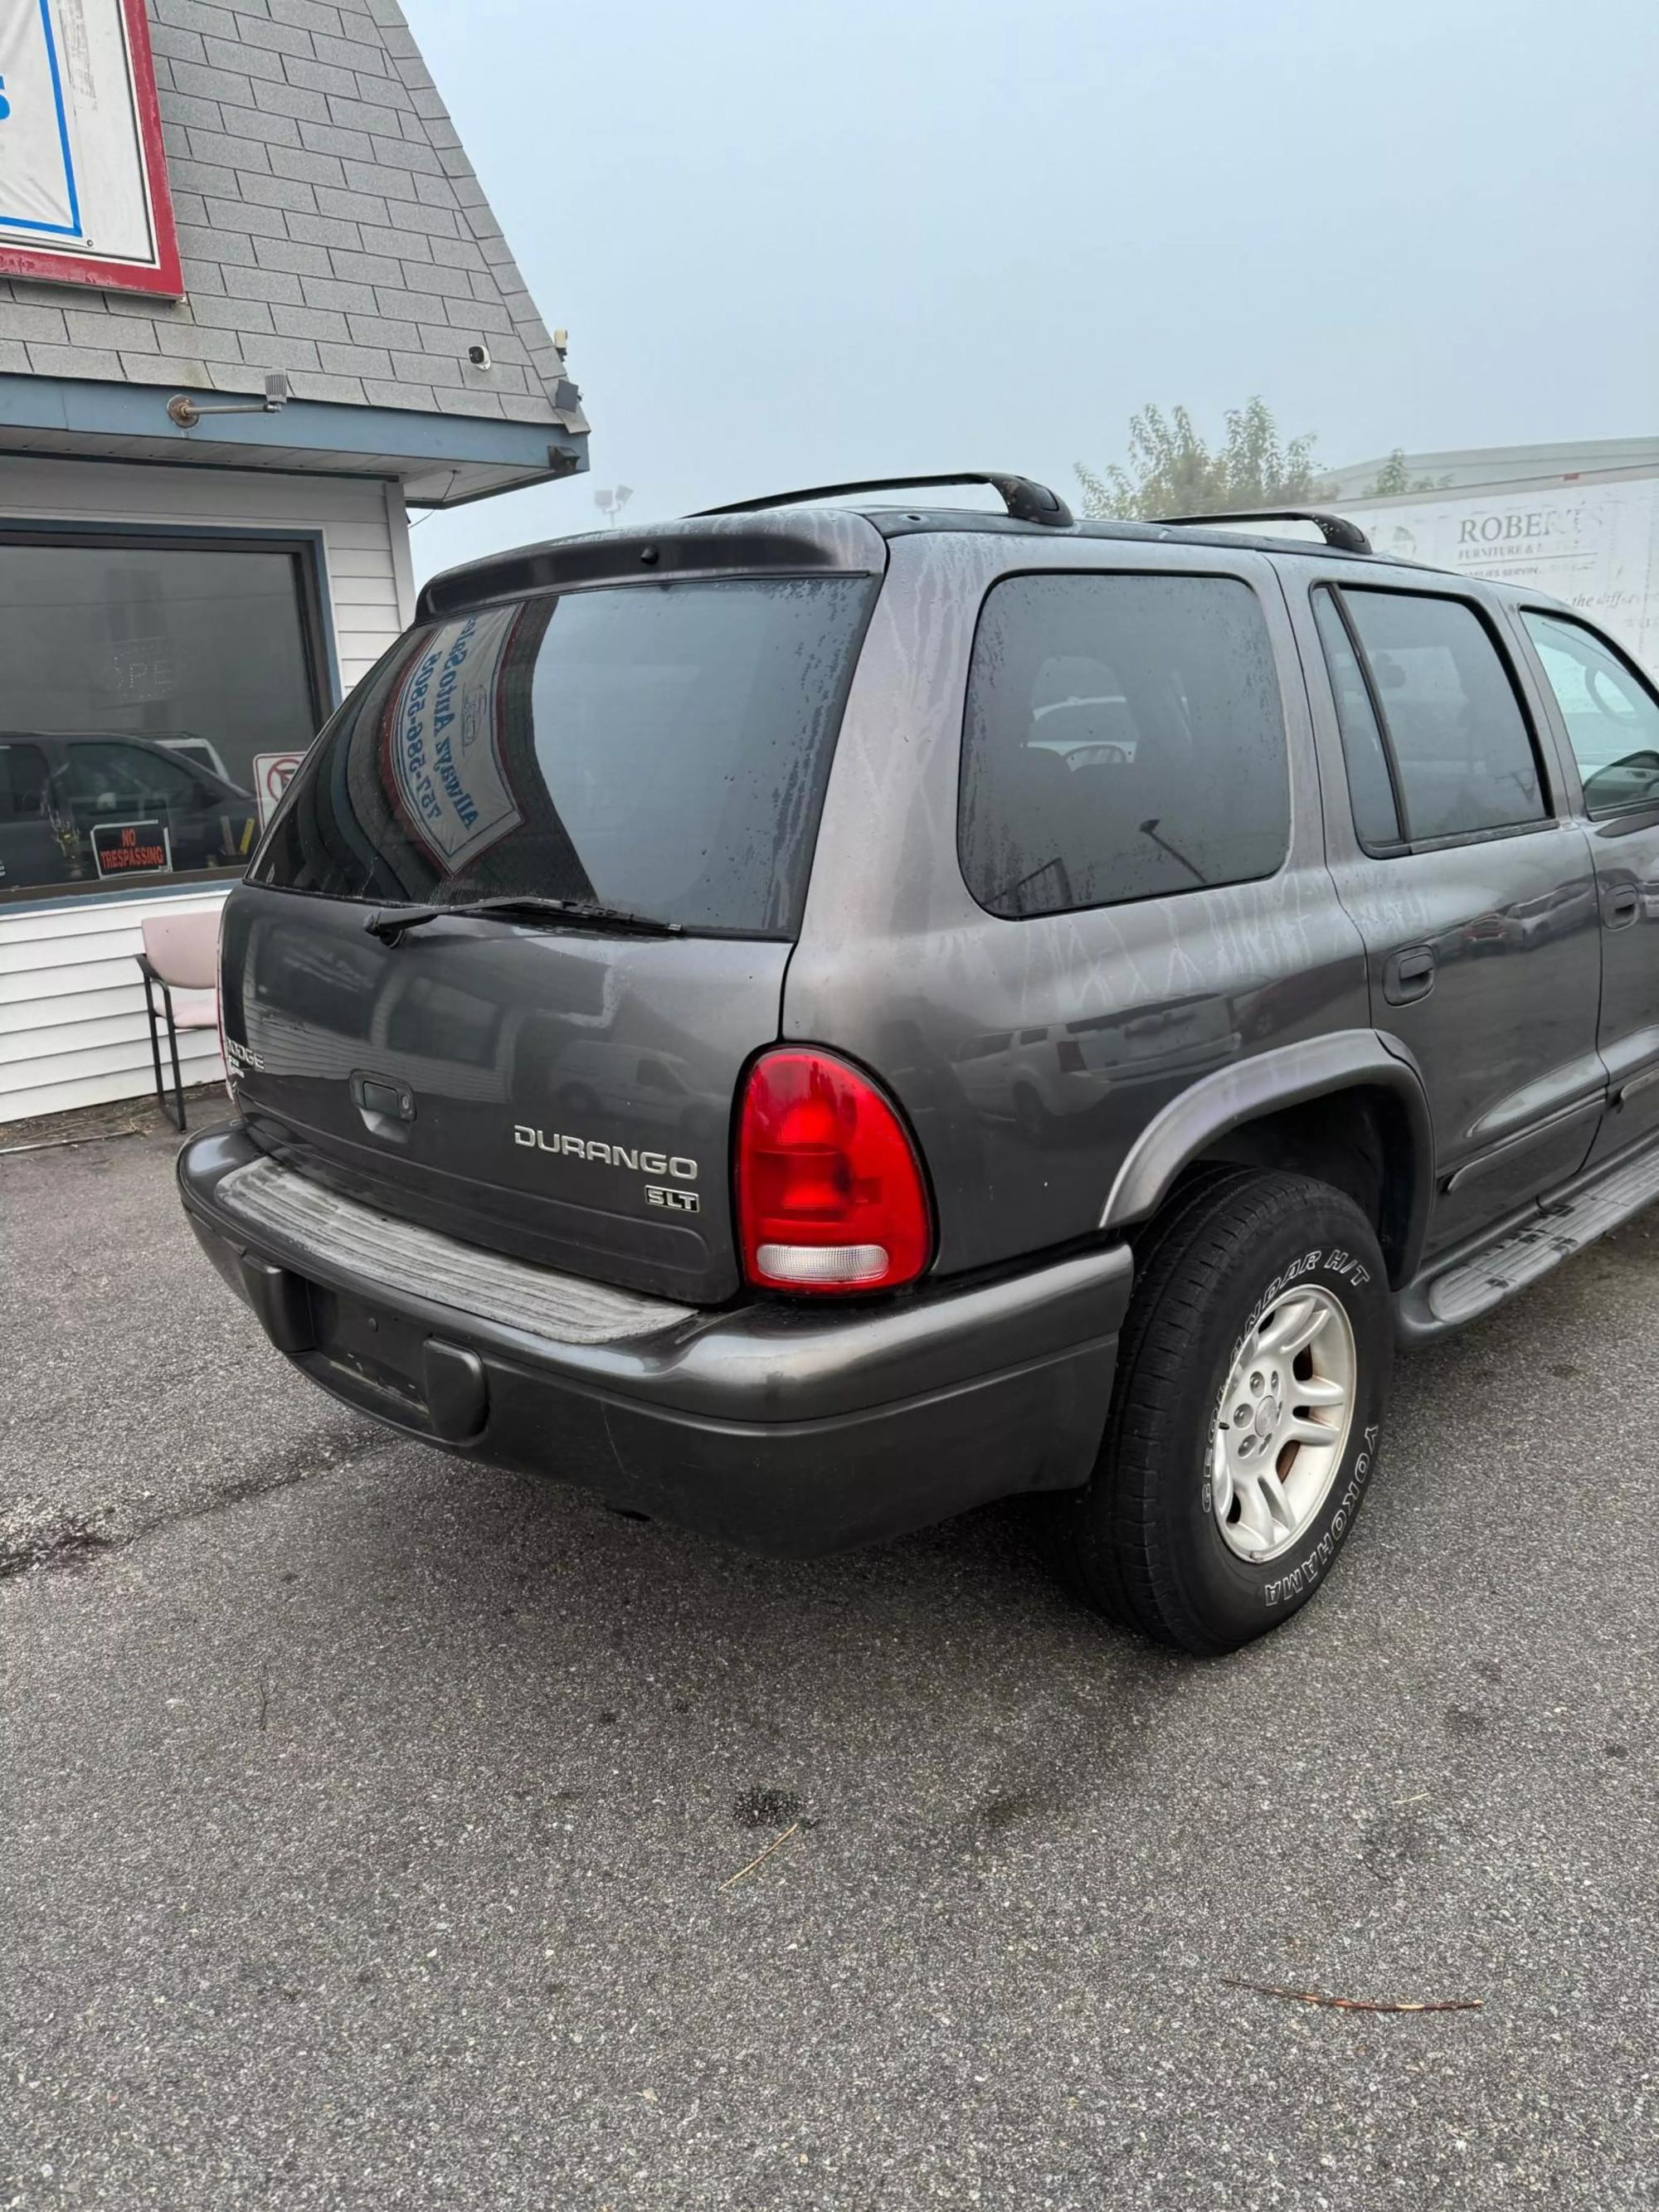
(524, 917)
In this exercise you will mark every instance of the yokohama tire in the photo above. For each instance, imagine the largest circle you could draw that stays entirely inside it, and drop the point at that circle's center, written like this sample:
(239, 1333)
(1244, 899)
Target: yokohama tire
(1145, 1539)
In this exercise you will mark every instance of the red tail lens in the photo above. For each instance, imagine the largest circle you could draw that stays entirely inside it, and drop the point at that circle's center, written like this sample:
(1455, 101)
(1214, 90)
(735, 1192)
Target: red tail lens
(830, 1189)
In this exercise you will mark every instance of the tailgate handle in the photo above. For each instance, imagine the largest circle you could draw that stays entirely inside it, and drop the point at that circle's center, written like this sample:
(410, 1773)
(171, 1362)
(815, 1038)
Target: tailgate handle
(380, 1101)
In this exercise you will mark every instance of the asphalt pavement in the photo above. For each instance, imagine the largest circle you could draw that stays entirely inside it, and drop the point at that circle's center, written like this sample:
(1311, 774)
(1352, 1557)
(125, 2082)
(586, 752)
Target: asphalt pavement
(376, 1830)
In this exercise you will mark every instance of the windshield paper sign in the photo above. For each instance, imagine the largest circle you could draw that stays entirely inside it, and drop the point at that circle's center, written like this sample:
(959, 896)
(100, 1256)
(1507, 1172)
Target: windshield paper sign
(444, 755)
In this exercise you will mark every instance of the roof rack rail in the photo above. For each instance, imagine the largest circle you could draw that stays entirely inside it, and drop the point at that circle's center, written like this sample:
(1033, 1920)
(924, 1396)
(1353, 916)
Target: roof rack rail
(1335, 529)
(1026, 501)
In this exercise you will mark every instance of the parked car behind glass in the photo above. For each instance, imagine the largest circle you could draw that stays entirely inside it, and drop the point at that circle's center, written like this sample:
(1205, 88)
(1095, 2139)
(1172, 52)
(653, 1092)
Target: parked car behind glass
(66, 798)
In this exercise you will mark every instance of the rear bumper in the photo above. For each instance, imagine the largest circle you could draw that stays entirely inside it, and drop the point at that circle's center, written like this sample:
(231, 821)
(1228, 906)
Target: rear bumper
(788, 1429)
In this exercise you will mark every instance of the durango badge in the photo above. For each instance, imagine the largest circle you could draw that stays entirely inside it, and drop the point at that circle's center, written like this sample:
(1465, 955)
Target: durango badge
(612, 1156)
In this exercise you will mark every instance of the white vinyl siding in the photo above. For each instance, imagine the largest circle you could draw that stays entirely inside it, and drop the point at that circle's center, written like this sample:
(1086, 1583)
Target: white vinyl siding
(73, 1030)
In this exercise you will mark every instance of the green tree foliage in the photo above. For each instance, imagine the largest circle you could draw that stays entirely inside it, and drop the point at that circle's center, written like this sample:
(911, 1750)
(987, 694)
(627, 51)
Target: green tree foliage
(1395, 478)
(1171, 470)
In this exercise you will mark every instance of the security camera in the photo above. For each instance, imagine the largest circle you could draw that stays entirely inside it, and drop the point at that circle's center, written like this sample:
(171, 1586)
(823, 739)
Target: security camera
(479, 356)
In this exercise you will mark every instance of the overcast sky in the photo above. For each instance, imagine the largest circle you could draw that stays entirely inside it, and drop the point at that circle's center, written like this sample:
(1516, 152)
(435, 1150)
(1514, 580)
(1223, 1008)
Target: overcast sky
(795, 240)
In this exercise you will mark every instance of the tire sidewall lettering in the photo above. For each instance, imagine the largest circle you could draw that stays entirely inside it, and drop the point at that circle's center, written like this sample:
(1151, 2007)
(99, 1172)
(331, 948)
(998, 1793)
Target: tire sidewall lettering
(1295, 1577)
(1144, 1540)
(1299, 1578)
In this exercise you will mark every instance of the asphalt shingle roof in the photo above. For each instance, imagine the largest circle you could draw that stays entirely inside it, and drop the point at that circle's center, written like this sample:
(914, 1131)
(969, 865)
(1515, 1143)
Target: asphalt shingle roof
(330, 223)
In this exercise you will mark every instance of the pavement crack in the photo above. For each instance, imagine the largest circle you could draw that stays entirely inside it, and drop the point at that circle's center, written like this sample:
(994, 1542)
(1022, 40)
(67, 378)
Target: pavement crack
(56, 1540)
(66, 1541)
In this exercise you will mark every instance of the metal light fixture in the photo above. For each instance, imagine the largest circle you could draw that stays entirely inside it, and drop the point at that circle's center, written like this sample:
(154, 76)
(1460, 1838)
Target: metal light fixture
(187, 412)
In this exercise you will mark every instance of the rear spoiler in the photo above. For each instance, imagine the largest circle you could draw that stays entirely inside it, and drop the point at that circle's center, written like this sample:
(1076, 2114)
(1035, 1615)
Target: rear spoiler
(831, 542)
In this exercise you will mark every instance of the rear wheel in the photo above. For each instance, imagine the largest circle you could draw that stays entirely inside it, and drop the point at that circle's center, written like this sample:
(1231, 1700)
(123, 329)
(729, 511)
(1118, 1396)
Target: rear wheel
(1252, 1375)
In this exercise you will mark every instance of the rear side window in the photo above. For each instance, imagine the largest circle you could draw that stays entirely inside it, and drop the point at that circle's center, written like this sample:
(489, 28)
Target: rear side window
(658, 747)
(1370, 786)
(1463, 754)
(1124, 739)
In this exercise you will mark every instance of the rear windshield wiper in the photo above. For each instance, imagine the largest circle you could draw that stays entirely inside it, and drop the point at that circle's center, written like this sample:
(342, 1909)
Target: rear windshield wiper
(389, 923)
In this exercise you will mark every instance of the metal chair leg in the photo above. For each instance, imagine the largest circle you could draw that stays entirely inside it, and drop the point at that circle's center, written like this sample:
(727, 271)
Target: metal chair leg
(172, 1046)
(155, 1042)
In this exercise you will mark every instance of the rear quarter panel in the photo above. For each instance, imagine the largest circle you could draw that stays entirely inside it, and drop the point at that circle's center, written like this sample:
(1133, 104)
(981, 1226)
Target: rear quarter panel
(963, 1013)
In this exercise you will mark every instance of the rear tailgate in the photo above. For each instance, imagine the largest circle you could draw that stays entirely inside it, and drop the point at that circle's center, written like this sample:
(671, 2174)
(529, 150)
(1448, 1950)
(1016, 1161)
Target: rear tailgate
(563, 1091)
(562, 1097)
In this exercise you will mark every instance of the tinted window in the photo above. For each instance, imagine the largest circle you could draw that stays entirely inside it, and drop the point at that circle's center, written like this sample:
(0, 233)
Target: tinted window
(1371, 790)
(660, 747)
(100, 774)
(1124, 739)
(1612, 717)
(22, 783)
(1461, 748)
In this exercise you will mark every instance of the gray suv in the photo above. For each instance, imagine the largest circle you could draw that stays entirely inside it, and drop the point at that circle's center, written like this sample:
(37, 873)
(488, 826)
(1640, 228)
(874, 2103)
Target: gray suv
(812, 1017)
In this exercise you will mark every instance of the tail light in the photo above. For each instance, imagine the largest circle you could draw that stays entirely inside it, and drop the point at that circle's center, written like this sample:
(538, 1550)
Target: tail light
(830, 1194)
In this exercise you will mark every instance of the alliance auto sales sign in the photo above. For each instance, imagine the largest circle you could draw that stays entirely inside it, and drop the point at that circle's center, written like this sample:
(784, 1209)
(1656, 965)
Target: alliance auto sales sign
(441, 747)
(83, 193)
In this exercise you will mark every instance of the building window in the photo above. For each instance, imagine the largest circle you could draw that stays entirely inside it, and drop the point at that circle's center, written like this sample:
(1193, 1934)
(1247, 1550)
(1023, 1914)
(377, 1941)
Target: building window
(151, 682)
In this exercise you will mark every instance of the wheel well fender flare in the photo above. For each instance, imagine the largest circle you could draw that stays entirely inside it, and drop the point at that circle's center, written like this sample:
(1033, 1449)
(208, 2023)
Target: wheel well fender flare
(1289, 1075)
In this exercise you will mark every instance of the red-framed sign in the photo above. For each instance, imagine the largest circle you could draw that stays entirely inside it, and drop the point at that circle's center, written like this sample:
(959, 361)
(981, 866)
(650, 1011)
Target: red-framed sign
(83, 184)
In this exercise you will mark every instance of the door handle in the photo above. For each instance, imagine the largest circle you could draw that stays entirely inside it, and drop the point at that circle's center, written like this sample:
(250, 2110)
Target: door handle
(1408, 975)
(1621, 906)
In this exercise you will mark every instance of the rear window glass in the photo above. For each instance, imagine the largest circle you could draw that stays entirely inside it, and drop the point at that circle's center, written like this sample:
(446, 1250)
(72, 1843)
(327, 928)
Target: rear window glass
(658, 747)
(1124, 740)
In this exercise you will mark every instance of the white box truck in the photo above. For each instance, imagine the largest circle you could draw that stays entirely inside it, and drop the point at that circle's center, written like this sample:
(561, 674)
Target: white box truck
(1588, 535)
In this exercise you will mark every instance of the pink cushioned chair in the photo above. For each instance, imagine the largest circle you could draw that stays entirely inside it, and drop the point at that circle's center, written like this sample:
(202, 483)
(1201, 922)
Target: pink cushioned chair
(181, 959)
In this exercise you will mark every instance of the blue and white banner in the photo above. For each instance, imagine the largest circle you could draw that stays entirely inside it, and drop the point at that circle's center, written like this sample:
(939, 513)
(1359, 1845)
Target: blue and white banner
(82, 177)
(38, 190)
(443, 749)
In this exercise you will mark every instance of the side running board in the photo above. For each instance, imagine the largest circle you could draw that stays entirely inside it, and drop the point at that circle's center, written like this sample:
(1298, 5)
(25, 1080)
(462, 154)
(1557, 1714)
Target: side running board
(1449, 1294)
